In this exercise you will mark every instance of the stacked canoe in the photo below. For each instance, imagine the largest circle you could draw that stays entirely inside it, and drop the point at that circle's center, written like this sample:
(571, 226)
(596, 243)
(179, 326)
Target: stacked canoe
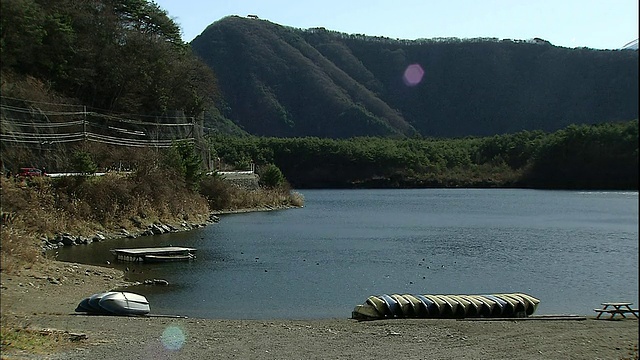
(446, 306)
(114, 303)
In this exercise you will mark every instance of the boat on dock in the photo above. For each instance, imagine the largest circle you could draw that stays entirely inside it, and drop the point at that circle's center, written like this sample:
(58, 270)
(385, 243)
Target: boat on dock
(155, 254)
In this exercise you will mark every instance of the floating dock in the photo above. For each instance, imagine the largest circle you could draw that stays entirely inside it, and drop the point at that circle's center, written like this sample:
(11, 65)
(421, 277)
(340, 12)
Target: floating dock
(155, 254)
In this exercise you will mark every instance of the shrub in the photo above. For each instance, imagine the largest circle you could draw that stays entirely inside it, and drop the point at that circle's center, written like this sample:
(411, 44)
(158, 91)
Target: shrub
(82, 162)
(272, 177)
(183, 159)
(217, 192)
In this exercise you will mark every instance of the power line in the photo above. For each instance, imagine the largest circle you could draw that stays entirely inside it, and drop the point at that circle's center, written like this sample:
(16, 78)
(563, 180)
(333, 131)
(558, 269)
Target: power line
(40, 111)
(39, 136)
(42, 125)
(36, 102)
(58, 138)
(42, 141)
(137, 122)
(104, 112)
(62, 132)
(84, 113)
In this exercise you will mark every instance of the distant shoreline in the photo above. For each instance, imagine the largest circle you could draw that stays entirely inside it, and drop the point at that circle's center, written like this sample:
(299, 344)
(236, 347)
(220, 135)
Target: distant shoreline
(256, 209)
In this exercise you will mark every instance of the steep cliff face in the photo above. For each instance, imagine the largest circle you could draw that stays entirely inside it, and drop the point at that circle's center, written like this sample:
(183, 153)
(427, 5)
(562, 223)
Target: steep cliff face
(281, 81)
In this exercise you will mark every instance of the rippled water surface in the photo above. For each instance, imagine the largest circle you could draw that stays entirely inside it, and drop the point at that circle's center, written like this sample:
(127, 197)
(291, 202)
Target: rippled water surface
(572, 250)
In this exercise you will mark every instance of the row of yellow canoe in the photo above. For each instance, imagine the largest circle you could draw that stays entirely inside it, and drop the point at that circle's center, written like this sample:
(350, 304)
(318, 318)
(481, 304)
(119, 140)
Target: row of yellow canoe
(446, 306)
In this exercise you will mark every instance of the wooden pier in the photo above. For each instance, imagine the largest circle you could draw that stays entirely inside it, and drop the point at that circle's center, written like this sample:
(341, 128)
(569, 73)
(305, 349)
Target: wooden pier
(155, 254)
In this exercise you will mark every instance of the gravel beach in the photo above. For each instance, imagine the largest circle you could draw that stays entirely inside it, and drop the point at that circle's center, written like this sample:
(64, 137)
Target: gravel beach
(45, 297)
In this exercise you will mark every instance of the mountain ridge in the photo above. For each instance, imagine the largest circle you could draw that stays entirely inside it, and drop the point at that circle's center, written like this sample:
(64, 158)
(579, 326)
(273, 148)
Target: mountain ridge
(287, 82)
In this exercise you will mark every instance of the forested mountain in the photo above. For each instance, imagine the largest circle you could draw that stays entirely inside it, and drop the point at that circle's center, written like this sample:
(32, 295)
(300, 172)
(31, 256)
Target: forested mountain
(287, 82)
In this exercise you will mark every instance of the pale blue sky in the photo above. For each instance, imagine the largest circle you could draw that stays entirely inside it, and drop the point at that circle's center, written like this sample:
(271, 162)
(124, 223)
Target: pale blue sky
(598, 24)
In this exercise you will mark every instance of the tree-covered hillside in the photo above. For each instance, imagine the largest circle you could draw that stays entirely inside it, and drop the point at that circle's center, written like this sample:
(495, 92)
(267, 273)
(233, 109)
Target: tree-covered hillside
(281, 81)
(121, 56)
(277, 84)
(113, 72)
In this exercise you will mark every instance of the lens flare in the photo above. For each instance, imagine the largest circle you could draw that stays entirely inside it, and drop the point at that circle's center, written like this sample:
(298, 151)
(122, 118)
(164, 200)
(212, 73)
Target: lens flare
(413, 75)
(173, 338)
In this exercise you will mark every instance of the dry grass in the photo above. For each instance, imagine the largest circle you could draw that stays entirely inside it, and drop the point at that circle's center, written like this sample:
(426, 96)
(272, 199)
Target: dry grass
(253, 198)
(17, 251)
(83, 205)
(296, 198)
(222, 195)
(17, 338)
(44, 207)
(22, 218)
(243, 198)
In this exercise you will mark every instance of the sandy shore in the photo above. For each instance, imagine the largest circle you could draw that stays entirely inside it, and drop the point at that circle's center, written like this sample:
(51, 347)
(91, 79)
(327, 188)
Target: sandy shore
(45, 298)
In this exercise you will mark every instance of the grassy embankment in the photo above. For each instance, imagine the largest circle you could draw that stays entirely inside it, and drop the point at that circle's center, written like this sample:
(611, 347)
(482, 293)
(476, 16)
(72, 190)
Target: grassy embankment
(43, 207)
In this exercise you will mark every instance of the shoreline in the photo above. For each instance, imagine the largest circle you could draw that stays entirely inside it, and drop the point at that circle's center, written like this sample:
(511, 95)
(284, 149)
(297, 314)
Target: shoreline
(257, 209)
(43, 298)
(67, 239)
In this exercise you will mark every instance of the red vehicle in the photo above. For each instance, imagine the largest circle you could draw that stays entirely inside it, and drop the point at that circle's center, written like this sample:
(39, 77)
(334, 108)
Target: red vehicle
(30, 172)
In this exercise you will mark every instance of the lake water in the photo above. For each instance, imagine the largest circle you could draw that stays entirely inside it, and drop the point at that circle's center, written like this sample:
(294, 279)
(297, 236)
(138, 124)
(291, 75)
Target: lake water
(571, 249)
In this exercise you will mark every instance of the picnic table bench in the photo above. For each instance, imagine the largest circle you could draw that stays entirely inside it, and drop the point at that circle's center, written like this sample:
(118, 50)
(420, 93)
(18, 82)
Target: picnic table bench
(614, 308)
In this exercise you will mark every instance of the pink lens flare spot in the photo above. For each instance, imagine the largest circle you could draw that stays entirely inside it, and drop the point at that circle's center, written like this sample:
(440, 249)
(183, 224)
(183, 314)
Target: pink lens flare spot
(413, 75)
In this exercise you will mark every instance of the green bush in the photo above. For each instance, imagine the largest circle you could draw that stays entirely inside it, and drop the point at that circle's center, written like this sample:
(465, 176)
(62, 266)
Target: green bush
(272, 177)
(82, 162)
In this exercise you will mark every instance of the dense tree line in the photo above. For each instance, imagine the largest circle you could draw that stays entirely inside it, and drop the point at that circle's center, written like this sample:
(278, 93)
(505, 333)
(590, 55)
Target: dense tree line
(286, 82)
(603, 156)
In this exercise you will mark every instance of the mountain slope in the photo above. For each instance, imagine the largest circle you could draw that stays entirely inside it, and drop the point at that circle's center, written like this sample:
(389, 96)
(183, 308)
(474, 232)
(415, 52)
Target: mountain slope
(286, 82)
(278, 85)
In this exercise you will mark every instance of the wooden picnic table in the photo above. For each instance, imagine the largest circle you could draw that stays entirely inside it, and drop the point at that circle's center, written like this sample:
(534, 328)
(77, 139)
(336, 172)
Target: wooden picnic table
(614, 308)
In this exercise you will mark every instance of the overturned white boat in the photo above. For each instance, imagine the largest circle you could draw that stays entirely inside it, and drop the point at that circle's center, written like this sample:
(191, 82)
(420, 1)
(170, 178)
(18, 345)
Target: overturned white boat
(446, 306)
(114, 303)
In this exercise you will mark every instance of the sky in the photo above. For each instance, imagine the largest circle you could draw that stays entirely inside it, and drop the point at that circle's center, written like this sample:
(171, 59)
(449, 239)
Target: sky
(597, 24)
